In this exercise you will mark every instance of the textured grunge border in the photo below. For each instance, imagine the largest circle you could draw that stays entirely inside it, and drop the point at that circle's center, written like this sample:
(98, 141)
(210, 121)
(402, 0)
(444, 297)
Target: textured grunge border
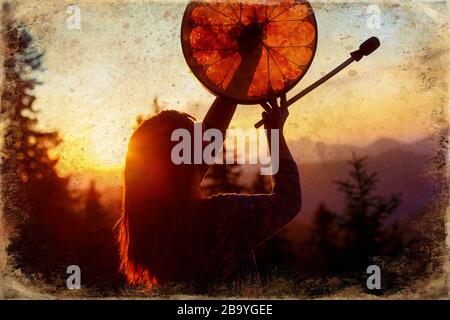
(436, 286)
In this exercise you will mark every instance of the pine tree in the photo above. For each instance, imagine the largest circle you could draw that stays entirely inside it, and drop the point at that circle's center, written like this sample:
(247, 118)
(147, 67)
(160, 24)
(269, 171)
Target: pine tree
(155, 109)
(223, 178)
(99, 255)
(326, 239)
(366, 234)
(36, 201)
(95, 214)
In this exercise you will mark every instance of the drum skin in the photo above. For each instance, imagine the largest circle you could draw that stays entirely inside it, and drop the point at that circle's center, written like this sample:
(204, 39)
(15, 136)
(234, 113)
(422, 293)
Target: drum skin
(210, 41)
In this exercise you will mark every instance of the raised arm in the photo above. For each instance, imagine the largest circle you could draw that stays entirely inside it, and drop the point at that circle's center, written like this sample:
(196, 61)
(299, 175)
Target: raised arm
(222, 109)
(218, 117)
(220, 114)
(254, 218)
(274, 117)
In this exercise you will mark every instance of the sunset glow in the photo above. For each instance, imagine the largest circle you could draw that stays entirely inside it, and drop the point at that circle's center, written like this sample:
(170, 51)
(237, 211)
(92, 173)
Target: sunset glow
(144, 155)
(100, 78)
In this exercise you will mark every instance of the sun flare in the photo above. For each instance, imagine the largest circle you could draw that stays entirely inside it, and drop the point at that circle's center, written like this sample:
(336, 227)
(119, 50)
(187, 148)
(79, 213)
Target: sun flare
(101, 147)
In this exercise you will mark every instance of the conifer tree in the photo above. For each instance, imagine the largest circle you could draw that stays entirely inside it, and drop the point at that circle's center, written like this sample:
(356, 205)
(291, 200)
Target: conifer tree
(36, 201)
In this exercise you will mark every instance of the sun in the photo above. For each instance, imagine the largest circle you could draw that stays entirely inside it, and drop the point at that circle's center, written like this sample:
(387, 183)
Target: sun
(109, 145)
(101, 146)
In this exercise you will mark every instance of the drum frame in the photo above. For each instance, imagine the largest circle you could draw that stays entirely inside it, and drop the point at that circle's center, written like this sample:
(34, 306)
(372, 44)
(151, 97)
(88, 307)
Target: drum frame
(186, 28)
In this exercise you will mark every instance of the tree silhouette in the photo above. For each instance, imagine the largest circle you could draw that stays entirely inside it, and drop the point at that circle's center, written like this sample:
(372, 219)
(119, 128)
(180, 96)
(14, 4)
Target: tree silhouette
(223, 178)
(36, 201)
(99, 255)
(348, 243)
(366, 233)
(326, 238)
(95, 214)
(155, 109)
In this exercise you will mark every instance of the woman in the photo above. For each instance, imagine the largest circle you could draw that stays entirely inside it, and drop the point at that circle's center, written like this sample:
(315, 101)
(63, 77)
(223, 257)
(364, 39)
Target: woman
(168, 232)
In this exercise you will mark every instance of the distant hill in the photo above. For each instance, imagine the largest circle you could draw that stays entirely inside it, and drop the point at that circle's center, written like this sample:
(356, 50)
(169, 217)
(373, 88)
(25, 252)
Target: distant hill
(311, 151)
(401, 167)
(399, 172)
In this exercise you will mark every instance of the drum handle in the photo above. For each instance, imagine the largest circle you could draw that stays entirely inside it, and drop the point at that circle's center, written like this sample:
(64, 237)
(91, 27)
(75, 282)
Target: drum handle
(365, 49)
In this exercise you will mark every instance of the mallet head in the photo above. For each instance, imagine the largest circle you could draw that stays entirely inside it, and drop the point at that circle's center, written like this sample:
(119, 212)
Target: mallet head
(366, 48)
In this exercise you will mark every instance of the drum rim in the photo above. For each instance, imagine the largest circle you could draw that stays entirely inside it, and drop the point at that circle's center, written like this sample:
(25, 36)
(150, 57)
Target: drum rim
(185, 49)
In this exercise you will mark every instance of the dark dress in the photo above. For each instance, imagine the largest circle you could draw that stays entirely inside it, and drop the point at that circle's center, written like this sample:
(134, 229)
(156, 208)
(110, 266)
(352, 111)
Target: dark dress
(227, 227)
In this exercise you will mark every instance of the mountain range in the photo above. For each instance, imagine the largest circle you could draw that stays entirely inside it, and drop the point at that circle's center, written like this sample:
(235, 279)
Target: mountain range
(402, 168)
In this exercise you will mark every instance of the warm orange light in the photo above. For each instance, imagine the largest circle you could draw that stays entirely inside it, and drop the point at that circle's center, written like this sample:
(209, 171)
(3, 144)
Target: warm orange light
(211, 47)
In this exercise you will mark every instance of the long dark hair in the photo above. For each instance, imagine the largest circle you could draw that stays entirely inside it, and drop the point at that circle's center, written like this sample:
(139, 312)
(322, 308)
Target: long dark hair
(156, 201)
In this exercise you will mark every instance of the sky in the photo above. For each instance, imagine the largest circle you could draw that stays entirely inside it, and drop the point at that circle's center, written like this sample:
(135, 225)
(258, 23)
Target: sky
(99, 78)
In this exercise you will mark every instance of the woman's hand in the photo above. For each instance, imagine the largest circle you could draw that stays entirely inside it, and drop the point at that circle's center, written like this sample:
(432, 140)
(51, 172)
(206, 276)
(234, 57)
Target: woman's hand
(275, 115)
(274, 118)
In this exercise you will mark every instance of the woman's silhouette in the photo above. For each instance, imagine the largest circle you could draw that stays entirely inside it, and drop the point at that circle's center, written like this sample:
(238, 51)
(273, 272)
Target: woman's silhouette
(168, 232)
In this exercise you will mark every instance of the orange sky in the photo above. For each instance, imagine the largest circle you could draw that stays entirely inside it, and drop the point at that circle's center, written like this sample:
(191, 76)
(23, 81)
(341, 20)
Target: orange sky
(100, 78)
